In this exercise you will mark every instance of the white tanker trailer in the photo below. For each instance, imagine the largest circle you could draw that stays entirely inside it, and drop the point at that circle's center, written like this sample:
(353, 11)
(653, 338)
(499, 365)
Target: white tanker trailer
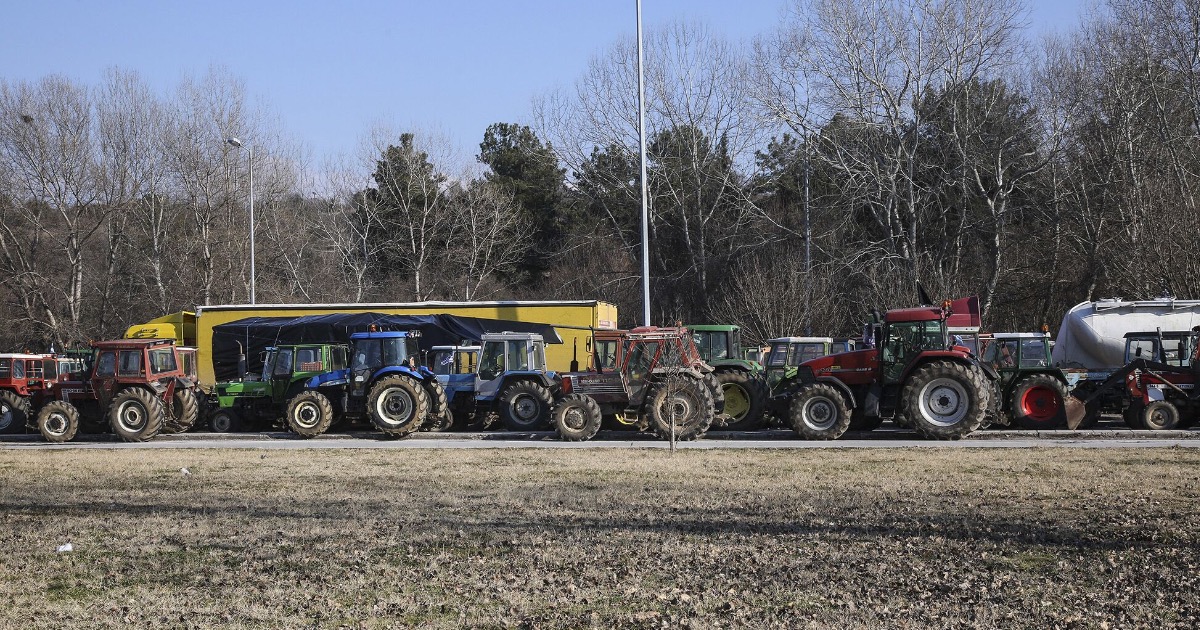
(1092, 334)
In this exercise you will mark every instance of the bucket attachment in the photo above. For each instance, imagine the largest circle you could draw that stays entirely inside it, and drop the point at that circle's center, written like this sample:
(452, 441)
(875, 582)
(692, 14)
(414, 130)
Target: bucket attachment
(1077, 412)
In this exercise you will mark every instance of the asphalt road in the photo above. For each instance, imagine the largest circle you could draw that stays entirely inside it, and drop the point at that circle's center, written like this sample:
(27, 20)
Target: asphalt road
(1105, 437)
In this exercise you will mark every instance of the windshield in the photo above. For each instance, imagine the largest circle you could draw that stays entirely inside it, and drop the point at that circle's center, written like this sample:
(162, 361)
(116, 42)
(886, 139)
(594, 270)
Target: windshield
(606, 354)
(163, 360)
(778, 355)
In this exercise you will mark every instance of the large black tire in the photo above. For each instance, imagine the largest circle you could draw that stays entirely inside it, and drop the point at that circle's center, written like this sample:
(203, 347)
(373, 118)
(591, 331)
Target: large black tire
(685, 399)
(58, 421)
(136, 414)
(1132, 415)
(746, 397)
(14, 412)
(1161, 415)
(397, 405)
(185, 409)
(309, 413)
(525, 406)
(224, 421)
(1039, 401)
(576, 418)
(717, 392)
(818, 411)
(945, 400)
(440, 419)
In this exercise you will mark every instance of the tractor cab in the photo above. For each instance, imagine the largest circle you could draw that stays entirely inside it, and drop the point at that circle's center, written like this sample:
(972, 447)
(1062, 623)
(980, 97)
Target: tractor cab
(24, 374)
(446, 361)
(505, 354)
(286, 368)
(789, 352)
(717, 342)
(1010, 351)
(1174, 348)
(373, 351)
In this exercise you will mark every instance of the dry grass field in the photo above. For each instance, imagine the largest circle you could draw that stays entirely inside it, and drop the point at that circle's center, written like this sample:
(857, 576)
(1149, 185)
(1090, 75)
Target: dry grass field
(600, 538)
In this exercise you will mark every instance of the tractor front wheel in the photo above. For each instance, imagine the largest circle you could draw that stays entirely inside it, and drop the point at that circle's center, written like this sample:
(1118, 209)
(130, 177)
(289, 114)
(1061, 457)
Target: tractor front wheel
(224, 421)
(309, 413)
(946, 400)
(746, 398)
(136, 414)
(58, 421)
(525, 406)
(576, 418)
(819, 412)
(1039, 402)
(398, 405)
(1160, 415)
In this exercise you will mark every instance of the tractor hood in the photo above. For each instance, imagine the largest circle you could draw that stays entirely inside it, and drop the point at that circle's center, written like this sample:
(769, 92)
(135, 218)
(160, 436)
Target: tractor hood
(835, 361)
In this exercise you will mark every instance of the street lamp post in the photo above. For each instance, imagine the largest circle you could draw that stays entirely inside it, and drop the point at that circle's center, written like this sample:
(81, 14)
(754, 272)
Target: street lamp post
(250, 150)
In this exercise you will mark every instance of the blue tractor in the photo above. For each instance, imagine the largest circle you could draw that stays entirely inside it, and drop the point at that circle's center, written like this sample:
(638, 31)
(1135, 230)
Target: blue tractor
(455, 370)
(385, 382)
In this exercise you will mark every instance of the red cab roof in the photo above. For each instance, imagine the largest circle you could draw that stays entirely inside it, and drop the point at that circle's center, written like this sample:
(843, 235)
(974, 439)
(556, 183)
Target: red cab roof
(131, 343)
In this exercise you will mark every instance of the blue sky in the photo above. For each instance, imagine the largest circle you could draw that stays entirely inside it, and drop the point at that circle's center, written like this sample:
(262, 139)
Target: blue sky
(331, 69)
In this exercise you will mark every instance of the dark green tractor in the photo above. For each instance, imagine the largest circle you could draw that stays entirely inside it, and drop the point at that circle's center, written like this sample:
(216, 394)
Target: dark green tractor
(1032, 391)
(262, 399)
(741, 380)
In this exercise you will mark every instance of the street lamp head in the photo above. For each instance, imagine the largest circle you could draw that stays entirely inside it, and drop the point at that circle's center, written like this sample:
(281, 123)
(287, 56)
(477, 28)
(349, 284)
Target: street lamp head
(234, 141)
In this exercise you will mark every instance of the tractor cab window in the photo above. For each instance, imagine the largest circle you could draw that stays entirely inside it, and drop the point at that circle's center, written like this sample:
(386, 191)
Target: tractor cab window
(518, 356)
(269, 363)
(442, 362)
(1033, 353)
(395, 350)
(905, 340)
(337, 358)
(712, 344)
(50, 369)
(163, 360)
(309, 360)
(188, 361)
(808, 351)
(283, 362)
(6, 368)
(130, 363)
(778, 355)
(606, 354)
(106, 364)
(641, 357)
(1001, 353)
(491, 363)
(368, 354)
(18, 369)
(1140, 348)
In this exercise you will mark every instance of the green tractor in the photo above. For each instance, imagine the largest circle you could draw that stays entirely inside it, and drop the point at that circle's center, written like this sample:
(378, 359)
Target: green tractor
(262, 399)
(742, 381)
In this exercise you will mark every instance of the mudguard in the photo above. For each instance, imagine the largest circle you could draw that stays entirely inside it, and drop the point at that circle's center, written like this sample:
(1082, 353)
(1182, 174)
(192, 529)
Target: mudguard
(841, 387)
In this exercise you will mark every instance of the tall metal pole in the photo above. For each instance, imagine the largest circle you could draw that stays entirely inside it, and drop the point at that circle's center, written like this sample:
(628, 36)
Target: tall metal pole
(252, 224)
(645, 205)
(807, 249)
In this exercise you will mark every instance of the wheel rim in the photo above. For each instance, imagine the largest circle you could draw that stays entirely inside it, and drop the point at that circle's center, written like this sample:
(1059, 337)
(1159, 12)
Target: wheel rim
(1040, 403)
(943, 402)
(819, 413)
(56, 424)
(525, 407)
(221, 423)
(679, 408)
(395, 404)
(307, 414)
(1158, 418)
(737, 400)
(132, 415)
(6, 416)
(575, 419)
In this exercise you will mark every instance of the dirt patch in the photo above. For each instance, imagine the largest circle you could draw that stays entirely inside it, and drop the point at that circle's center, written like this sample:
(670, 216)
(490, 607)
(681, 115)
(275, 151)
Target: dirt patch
(602, 538)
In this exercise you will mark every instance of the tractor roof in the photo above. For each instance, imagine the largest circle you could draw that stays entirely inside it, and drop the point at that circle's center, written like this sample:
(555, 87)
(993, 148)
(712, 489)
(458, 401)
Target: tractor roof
(21, 355)
(385, 334)
(922, 314)
(457, 348)
(511, 336)
(660, 331)
(801, 340)
(713, 327)
(118, 344)
(1020, 335)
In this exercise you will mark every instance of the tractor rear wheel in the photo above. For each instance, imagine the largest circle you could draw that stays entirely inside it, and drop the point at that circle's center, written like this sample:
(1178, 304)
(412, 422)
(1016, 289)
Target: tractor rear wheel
(525, 406)
(746, 398)
(398, 405)
(717, 392)
(224, 421)
(1039, 402)
(945, 400)
(576, 418)
(682, 402)
(185, 408)
(58, 421)
(819, 412)
(309, 413)
(440, 419)
(14, 412)
(1160, 415)
(136, 414)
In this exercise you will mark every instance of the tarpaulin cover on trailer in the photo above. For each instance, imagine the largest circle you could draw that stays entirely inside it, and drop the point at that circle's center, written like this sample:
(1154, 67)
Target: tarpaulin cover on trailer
(256, 334)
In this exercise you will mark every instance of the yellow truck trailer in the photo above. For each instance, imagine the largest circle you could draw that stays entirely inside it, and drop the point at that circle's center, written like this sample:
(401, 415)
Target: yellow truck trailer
(572, 319)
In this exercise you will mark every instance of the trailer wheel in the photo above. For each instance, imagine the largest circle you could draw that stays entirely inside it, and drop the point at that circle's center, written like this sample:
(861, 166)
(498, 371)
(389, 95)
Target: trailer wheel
(525, 406)
(440, 419)
(136, 414)
(946, 400)
(58, 421)
(185, 408)
(683, 401)
(309, 413)
(1039, 402)
(576, 418)
(397, 405)
(14, 412)
(818, 412)
(224, 421)
(1160, 415)
(746, 398)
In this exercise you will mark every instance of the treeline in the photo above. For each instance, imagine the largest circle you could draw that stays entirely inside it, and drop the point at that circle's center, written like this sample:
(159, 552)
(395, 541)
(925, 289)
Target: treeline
(794, 181)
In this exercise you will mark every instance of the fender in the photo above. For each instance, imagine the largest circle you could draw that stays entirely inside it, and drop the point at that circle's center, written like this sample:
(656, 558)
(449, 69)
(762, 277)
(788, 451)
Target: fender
(549, 380)
(400, 370)
(841, 387)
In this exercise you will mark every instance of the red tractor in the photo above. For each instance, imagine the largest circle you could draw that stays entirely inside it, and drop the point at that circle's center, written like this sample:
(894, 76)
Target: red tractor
(140, 386)
(914, 375)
